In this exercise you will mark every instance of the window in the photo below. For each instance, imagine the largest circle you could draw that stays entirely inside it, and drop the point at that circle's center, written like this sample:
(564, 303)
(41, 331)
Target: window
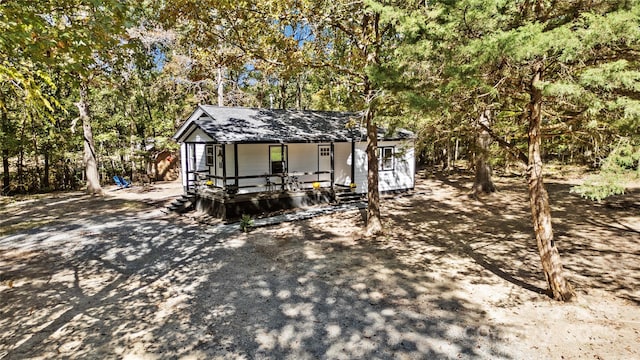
(385, 158)
(210, 155)
(325, 151)
(278, 159)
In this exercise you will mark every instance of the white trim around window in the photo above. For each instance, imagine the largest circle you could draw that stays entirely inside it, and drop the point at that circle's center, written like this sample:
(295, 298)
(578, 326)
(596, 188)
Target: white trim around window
(210, 155)
(386, 158)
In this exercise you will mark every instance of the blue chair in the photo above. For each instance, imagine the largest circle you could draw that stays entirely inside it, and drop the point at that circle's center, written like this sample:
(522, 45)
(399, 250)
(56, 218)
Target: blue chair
(124, 182)
(121, 182)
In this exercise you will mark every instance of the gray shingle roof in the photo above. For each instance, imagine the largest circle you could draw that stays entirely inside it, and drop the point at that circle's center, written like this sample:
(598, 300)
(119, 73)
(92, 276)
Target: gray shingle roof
(244, 125)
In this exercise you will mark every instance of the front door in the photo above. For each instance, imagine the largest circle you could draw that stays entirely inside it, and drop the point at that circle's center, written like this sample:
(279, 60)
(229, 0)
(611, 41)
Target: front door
(324, 164)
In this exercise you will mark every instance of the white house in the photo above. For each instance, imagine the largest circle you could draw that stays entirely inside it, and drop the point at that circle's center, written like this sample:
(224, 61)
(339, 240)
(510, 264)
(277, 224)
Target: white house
(259, 156)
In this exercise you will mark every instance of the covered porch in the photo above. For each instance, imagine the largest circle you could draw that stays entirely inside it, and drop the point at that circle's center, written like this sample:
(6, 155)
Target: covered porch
(229, 180)
(235, 169)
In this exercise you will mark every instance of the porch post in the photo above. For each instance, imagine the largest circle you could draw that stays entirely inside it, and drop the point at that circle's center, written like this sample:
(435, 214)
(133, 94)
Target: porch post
(195, 165)
(353, 160)
(186, 168)
(215, 164)
(235, 163)
(332, 166)
(284, 170)
(224, 166)
(193, 156)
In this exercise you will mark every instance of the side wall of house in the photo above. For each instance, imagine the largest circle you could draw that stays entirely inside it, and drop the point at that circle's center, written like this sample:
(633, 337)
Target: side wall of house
(360, 163)
(343, 159)
(253, 159)
(399, 176)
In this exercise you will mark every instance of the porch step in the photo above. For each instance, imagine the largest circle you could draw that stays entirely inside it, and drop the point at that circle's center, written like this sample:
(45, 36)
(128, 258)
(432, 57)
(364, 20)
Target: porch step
(183, 204)
(344, 197)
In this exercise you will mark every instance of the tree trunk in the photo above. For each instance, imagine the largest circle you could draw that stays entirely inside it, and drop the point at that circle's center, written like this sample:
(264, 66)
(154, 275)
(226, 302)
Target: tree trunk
(36, 156)
(449, 154)
(483, 182)
(445, 156)
(220, 87)
(6, 177)
(283, 95)
(299, 92)
(21, 182)
(20, 166)
(539, 198)
(132, 142)
(374, 225)
(90, 157)
(456, 152)
(45, 176)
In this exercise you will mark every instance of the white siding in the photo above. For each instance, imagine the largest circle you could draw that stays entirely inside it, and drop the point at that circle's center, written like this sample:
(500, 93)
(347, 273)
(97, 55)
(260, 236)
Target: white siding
(303, 158)
(342, 166)
(400, 178)
(201, 158)
(230, 163)
(186, 160)
(402, 175)
(198, 136)
(360, 158)
(186, 154)
(253, 159)
(183, 164)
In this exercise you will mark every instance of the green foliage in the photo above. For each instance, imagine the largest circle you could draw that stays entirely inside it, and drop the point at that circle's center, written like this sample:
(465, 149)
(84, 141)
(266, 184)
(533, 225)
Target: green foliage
(432, 67)
(471, 55)
(618, 169)
(246, 223)
(47, 49)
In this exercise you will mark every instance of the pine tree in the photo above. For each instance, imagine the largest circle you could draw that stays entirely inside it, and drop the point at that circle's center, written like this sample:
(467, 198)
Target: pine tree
(539, 65)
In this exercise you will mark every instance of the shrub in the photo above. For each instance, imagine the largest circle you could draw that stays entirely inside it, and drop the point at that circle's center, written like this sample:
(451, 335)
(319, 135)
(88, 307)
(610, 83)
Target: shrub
(246, 223)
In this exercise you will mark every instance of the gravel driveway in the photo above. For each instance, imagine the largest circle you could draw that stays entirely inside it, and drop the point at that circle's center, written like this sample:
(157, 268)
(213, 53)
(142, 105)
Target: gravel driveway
(114, 278)
(109, 278)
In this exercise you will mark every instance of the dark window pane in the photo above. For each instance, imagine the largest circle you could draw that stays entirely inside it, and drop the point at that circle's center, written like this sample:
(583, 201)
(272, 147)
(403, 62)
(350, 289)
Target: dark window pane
(209, 152)
(278, 159)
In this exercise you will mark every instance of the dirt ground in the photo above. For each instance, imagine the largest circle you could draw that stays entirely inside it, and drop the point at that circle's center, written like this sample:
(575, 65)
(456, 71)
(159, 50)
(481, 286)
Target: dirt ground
(453, 277)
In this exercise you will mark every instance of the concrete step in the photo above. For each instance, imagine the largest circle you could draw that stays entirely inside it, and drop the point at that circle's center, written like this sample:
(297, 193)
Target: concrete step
(182, 204)
(348, 197)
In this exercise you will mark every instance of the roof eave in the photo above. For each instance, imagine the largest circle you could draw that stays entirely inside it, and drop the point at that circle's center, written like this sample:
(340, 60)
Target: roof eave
(185, 125)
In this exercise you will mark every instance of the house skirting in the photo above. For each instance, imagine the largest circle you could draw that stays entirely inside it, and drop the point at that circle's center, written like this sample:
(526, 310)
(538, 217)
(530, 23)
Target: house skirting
(231, 208)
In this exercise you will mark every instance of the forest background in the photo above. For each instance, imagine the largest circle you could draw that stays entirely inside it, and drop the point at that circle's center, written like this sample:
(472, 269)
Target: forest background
(90, 89)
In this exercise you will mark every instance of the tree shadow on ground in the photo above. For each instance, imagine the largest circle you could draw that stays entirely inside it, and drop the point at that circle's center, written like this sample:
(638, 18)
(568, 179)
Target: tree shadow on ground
(97, 281)
(598, 243)
(102, 278)
(601, 242)
(332, 296)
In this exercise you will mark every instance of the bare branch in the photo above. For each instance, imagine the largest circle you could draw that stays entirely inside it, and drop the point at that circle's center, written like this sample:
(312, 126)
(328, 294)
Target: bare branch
(512, 148)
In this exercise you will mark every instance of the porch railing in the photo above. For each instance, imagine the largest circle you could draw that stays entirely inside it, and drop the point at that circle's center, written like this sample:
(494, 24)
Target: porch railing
(271, 182)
